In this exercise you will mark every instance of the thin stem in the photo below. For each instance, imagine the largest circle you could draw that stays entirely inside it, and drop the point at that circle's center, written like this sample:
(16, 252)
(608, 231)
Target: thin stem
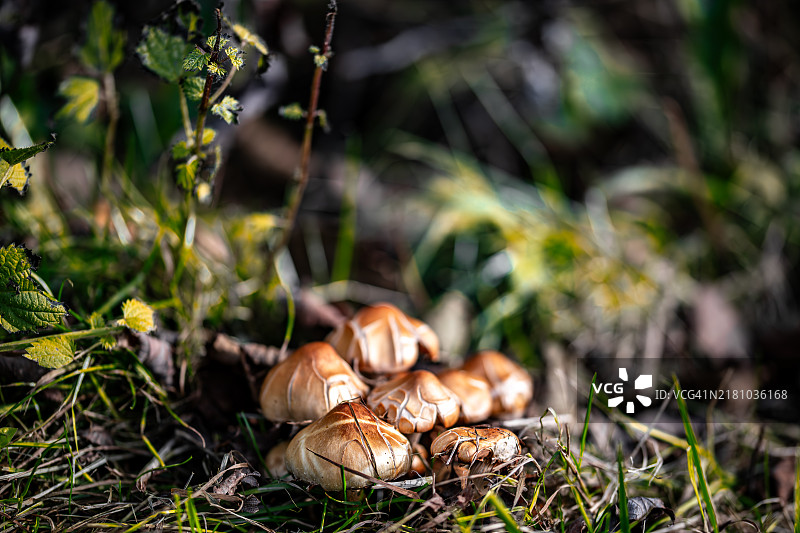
(221, 89)
(112, 106)
(96, 332)
(302, 175)
(187, 123)
(202, 111)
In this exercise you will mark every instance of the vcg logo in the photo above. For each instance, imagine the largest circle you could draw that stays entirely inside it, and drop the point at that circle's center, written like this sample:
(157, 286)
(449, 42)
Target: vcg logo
(615, 391)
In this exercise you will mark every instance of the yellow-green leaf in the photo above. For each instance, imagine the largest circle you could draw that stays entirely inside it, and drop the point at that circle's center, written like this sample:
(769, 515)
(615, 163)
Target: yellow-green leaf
(137, 316)
(6, 434)
(105, 46)
(82, 95)
(249, 38)
(53, 352)
(228, 109)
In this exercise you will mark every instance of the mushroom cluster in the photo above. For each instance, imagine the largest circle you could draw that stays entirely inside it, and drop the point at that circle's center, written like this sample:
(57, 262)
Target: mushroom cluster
(356, 435)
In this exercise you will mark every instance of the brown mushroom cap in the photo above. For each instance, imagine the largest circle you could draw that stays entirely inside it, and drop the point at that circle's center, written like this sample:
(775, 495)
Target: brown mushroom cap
(276, 460)
(353, 436)
(474, 392)
(382, 339)
(512, 387)
(414, 401)
(466, 445)
(308, 384)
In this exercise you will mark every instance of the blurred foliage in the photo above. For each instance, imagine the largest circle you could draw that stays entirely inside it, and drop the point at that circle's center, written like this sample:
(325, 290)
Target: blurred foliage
(578, 171)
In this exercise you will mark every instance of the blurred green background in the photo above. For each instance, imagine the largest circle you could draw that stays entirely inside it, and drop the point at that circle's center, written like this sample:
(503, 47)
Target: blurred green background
(618, 178)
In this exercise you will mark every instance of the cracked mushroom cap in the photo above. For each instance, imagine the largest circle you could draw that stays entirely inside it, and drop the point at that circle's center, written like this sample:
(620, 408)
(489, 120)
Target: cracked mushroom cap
(414, 402)
(383, 339)
(474, 392)
(308, 384)
(466, 445)
(512, 387)
(353, 436)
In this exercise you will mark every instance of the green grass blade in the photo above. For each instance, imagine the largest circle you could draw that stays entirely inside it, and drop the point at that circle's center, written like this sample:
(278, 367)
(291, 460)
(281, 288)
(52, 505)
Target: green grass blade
(693, 454)
(503, 513)
(624, 522)
(585, 431)
(797, 493)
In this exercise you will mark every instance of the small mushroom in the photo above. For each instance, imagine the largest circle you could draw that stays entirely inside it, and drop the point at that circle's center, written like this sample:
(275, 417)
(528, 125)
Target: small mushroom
(474, 392)
(308, 384)
(276, 460)
(414, 402)
(353, 436)
(382, 339)
(467, 445)
(512, 387)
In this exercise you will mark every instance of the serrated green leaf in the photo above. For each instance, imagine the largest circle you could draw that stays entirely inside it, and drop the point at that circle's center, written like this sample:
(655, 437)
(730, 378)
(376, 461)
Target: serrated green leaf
(249, 38)
(212, 39)
(108, 342)
(96, 320)
(235, 56)
(6, 434)
(193, 88)
(181, 150)
(24, 307)
(138, 316)
(228, 109)
(82, 95)
(186, 173)
(163, 53)
(105, 47)
(196, 59)
(216, 69)
(53, 352)
(12, 156)
(15, 264)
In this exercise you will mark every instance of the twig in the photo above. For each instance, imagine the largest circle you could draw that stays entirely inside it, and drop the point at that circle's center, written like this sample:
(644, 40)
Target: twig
(305, 159)
(202, 111)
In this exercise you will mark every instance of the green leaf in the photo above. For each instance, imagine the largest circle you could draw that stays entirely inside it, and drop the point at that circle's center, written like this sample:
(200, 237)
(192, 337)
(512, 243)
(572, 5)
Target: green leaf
(293, 111)
(193, 88)
(235, 56)
(23, 306)
(163, 53)
(249, 38)
(15, 264)
(216, 69)
(105, 47)
(6, 434)
(208, 136)
(138, 316)
(228, 109)
(186, 173)
(82, 95)
(212, 39)
(181, 150)
(196, 59)
(12, 156)
(52, 352)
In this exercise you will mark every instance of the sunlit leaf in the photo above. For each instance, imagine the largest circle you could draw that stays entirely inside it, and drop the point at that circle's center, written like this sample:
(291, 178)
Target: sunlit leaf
(249, 38)
(181, 150)
(196, 59)
(216, 69)
(193, 87)
(105, 47)
(163, 53)
(25, 307)
(82, 95)
(53, 352)
(208, 136)
(6, 434)
(186, 173)
(228, 109)
(137, 316)
(212, 39)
